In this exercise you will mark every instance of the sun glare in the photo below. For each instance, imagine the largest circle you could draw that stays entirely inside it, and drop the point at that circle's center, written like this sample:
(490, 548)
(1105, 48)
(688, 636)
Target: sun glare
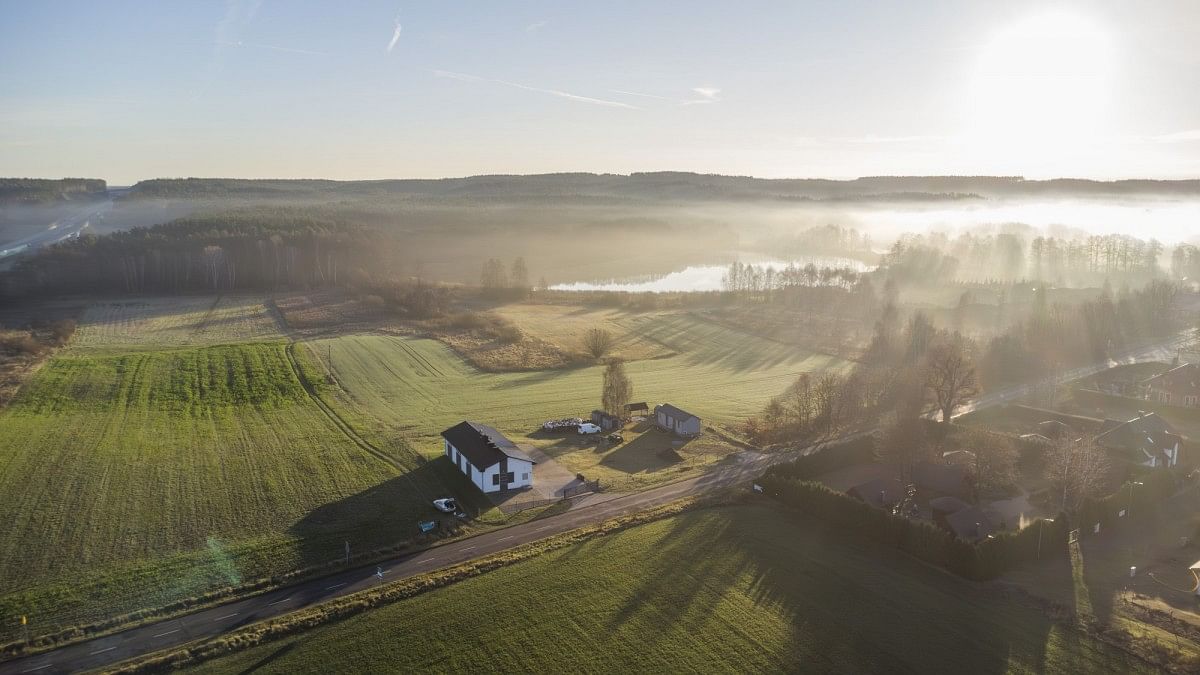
(1041, 85)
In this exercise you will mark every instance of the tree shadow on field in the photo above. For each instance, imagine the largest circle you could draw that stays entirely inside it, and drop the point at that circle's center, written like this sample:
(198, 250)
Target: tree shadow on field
(266, 660)
(386, 515)
(850, 605)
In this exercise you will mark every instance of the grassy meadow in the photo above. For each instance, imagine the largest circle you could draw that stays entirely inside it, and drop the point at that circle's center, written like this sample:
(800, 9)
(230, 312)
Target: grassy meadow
(770, 593)
(416, 387)
(175, 321)
(134, 479)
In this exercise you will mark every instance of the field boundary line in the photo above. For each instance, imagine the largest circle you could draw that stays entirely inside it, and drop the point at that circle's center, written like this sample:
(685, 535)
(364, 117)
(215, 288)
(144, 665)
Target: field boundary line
(344, 426)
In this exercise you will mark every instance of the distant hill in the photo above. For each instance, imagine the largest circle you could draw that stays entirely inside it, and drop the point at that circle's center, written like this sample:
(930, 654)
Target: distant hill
(665, 185)
(47, 191)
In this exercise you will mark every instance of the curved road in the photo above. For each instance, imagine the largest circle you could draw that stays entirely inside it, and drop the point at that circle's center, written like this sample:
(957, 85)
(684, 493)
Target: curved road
(743, 466)
(134, 642)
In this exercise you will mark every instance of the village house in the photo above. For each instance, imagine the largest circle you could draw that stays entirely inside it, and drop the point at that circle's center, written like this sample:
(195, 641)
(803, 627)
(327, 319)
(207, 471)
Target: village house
(1146, 440)
(681, 422)
(488, 459)
(1178, 386)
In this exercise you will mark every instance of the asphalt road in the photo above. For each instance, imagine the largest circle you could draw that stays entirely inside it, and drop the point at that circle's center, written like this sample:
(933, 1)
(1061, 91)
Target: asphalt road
(221, 619)
(744, 466)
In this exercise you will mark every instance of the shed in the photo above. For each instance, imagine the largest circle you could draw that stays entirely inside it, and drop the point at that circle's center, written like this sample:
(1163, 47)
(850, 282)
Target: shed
(606, 421)
(676, 420)
(639, 407)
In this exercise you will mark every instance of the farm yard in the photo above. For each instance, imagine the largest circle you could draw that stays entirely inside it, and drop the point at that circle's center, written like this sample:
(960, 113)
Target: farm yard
(770, 593)
(135, 479)
(176, 321)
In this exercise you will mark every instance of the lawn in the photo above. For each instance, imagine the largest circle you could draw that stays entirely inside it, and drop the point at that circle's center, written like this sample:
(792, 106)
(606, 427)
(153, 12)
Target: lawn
(565, 325)
(135, 479)
(187, 320)
(731, 589)
(413, 387)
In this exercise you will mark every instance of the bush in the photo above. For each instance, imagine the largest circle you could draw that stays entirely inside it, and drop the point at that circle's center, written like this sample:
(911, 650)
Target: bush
(597, 342)
(508, 333)
(468, 321)
(20, 344)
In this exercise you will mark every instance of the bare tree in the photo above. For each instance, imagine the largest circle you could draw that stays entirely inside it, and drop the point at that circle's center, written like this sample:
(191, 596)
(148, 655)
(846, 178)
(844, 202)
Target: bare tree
(991, 459)
(903, 443)
(950, 377)
(1077, 470)
(597, 342)
(618, 389)
(519, 275)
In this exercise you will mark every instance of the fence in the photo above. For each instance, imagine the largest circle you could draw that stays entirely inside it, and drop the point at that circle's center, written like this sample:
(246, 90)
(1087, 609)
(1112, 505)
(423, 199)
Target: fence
(582, 488)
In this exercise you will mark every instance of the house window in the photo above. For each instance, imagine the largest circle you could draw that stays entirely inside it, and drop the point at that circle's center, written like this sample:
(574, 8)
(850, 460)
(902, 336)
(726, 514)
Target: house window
(502, 478)
(524, 476)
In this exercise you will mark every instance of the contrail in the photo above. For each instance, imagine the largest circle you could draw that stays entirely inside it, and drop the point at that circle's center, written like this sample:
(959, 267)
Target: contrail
(395, 35)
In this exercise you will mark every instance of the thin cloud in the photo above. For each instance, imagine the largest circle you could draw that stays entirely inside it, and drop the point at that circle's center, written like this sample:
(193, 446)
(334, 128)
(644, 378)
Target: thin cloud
(707, 95)
(536, 26)
(395, 35)
(464, 77)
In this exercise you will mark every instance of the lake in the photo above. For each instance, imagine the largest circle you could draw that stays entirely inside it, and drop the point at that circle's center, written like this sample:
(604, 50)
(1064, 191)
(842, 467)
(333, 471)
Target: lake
(704, 277)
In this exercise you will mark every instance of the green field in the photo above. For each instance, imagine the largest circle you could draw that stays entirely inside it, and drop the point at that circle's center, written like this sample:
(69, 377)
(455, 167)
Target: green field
(732, 589)
(131, 480)
(417, 387)
(154, 323)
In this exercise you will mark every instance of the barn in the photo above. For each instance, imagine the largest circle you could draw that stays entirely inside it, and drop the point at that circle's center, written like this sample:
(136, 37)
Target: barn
(681, 422)
(488, 459)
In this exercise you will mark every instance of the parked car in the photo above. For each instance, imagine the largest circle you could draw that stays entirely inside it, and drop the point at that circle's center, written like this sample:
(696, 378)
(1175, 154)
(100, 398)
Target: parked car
(589, 428)
(616, 439)
(446, 505)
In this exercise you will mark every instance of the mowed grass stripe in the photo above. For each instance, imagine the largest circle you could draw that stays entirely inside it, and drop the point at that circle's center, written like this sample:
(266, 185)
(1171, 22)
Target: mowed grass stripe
(420, 386)
(731, 589)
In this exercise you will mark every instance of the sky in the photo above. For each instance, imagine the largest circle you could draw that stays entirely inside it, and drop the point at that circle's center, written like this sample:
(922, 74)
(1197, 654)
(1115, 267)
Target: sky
(358, 90)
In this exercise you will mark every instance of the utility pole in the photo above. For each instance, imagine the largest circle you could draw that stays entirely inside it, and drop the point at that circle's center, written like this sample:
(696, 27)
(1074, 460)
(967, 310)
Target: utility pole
(1040, 529)
(1129, 505)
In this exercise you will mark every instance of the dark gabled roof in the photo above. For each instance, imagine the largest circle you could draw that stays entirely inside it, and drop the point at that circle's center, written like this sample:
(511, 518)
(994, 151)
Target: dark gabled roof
(640, 405)
(973, 523)
(947, 504)
(879, 492)
(677, 413)
(1147, 432)
(950, 479)
(483, 446)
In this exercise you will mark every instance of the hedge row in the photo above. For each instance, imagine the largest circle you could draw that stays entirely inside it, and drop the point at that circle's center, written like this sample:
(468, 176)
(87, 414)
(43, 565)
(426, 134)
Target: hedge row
(831, 457)
(985, 560)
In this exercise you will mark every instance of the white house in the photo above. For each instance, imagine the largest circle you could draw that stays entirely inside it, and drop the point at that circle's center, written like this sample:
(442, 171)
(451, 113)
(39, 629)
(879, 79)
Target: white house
(679, 421)
(488, 459)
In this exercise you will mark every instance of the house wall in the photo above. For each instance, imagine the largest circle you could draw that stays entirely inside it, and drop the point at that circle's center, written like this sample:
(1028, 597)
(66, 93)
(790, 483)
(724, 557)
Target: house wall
(517, 467)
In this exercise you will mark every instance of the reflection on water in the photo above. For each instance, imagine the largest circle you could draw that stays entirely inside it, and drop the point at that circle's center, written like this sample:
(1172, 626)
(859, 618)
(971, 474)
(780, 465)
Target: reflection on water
(701, 277)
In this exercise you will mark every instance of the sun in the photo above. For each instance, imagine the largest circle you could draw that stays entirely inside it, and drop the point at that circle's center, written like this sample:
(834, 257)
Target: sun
(1040, 85)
